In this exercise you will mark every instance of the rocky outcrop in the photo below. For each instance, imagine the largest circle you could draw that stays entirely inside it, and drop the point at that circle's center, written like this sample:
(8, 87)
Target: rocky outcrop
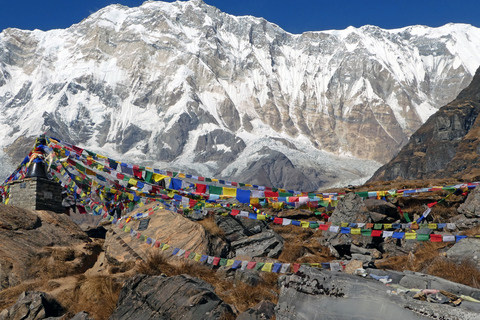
(250, 238)
(167, 227)
(326, 295)
(264, 310)
(471, 207)
(34, 306)
(179, 297)
(467, 249)
(447, 145)
(27, 236)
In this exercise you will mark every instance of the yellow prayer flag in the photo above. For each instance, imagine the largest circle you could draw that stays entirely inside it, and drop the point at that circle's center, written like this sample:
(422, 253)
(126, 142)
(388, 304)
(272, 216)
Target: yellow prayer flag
(165, 247)
(410, 235)
(197, 257)
(157, 177)
(230, 262)
(248, 185)
(214, 180)
(181, 175)
(344, 224)
(101, 157)
(231, 192)
(127, 229)
(130, 196)
(254, 201)
(132, 181)
(100, 167)
(315, 265)
(432, 226)
(304, 224)
(141, 204)
(267, 267)
(261, 217)
(356, 231)
(387, 226)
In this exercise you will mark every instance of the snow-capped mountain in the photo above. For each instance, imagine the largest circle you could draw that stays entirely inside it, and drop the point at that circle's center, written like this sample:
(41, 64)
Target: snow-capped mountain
(185, 86)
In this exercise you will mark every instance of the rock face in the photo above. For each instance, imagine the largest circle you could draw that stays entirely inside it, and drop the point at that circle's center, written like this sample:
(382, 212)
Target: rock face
(326, 295)
(33, 306)
(471, 207)
(164, 226)
(179, 297)
(250, 238)
(193, 88)
(468, 249)
(25, 235)
(447, 145)
(265, 310)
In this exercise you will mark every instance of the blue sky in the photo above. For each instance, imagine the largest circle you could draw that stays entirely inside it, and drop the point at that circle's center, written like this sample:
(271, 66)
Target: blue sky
(295, 16)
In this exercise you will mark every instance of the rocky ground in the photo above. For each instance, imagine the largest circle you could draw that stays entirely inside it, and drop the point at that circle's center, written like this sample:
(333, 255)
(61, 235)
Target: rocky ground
(53, 268)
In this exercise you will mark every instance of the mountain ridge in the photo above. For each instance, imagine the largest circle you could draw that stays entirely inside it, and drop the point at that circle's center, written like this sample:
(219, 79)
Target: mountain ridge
(185, 86)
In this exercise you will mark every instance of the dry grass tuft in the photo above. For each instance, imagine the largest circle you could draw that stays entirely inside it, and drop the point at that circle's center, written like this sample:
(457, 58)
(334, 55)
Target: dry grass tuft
(241, 295)
(211, 227)
(466, 272)
(418, 261)
(96, 295)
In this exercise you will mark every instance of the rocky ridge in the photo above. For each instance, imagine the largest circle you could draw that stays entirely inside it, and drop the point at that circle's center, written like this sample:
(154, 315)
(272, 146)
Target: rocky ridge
(447, 145)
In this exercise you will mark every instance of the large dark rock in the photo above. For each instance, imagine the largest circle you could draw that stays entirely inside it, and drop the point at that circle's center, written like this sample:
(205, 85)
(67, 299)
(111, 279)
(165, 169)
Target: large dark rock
(471, 207)
(33, 306)
(264, 310)
(326, 295)
(468, 249)
(161, 298)
(251, 238)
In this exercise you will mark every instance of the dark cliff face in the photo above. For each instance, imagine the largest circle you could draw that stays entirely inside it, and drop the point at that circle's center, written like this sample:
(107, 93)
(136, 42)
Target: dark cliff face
(447, 145)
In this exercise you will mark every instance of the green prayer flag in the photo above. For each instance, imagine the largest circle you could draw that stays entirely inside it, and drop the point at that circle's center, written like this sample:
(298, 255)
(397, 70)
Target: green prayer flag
(423, 237)
(259, 266)
(366, 232)
(215, 190)
(223, 261)
(377, 226)
(148, 176)
(285, 194)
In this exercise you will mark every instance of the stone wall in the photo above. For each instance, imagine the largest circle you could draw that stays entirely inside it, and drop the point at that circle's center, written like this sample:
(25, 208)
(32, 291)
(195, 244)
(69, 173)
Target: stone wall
(36, 194)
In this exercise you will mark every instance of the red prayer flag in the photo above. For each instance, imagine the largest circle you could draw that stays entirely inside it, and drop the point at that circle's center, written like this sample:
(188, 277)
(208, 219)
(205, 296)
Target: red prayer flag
(216, 260)
(296, 266)
(436, 238)
(271, 194)
(376, 233)
(432, 204)
(323, 227)
(251, 265)
(278, 220)
(235, 212)
(201, 188)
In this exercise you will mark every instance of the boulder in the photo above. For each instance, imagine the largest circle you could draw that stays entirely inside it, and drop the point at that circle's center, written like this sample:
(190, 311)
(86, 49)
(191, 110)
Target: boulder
(249, 277)
(266, 244)
(236, 229)
(167, 227)
(82, 315)
(25, 235)
(33, 305)
(352, 208)
(471, 207)
(264, 310)
(326, 295)
(250, 238)
(179, 297)
(468, 248)
(348, 209)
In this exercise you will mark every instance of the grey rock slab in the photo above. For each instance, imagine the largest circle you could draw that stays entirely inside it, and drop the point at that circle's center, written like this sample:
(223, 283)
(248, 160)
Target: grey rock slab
(468, 248)
(179, 297)
(265, 244)
(325, 295)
